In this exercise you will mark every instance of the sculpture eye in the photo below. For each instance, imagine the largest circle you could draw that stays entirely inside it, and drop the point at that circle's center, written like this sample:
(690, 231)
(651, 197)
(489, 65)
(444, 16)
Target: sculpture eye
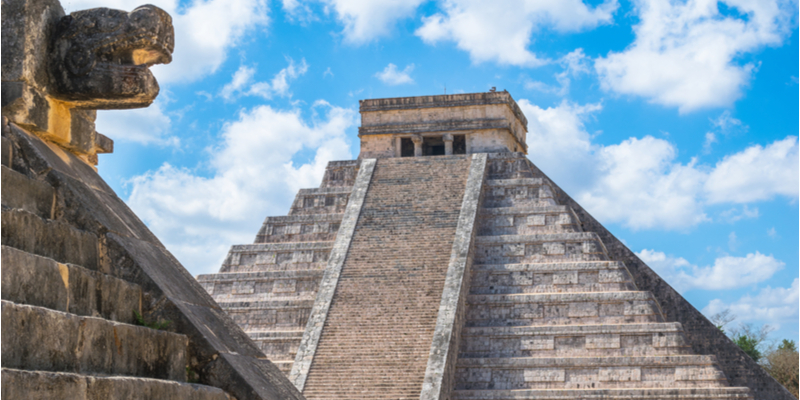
(109, 21)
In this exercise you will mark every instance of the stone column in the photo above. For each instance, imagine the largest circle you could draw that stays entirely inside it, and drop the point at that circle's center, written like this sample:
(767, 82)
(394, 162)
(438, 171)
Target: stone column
(417, 139)
(448, 144)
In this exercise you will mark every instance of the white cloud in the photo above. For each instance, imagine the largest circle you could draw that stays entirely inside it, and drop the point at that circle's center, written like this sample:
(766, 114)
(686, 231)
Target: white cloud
(503, 33)
(391, 76)
(367, 20)
(770, 305)
(711, 138)
(199, 216)
(757, 173)
(242, 77)
(242, 82)
(735, 214)
(733, 241)
(640, 183)
(575, 63)
(204, 31)
(149, 125)
(686, 54)
(728, 272)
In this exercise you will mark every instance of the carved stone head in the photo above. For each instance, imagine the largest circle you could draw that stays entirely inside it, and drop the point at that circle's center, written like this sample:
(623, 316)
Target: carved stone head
(101, 57)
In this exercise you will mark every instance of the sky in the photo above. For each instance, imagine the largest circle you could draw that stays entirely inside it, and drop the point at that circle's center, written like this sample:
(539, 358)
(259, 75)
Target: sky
(674, 123)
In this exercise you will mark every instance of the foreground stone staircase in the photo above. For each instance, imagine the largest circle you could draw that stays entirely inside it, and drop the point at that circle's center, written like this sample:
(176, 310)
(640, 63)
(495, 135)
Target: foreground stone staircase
(269, 287)
(95, 307)
(549, 316)
(68, 327)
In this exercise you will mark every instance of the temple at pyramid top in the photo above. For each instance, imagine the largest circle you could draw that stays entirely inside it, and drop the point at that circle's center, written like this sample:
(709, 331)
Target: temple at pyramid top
(442, 125)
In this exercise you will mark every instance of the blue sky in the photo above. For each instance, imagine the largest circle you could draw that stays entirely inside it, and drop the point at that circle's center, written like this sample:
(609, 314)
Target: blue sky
(674, 123)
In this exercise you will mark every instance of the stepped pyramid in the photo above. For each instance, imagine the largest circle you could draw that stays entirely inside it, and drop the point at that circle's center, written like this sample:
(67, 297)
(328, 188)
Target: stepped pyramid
(442, 264)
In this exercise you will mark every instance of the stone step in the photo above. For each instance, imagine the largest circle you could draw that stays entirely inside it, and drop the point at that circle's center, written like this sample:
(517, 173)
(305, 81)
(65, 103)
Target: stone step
(261, 286)
(278, 345)
(594, 276)
(269, 315)
(720, 393)
(35, 196)
(545, 247)
(299, 228)
(44, 385)
(562, 309)
(40, 281)
(523, 192)
(527, 220)
(284, 366)
(37, 338)
(49, 238)
(507, 166)
(513, 373)
(327, 200)
(340, 173)
(574, 341)
(264, 257)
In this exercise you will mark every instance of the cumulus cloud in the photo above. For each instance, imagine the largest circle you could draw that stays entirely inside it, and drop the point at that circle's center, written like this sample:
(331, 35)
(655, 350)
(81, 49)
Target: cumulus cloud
(503, 34)
(771, 305)
(251, 174)
(757, 173)
(365, 21)
(242, 82)
(204, 31)
(686, 54)
(392, 76)
(727, 272)
(640, 183)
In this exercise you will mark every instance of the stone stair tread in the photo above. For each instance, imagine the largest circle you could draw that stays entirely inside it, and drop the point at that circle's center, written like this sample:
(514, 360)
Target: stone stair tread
(88, 344)
(515, 182)
(259, 275)
(720, 393)
(549, 266)
(577, 362)
(288, 246)
(54, 239)
(279, 304)
(23, 384)
(325, 190)
(557, 297)
(41, 281)
(539, 237)
(309, 218)
(524, 209)
(589, 329)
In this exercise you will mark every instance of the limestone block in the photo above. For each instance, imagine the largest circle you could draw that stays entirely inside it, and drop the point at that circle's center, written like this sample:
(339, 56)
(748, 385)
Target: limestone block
(586, 309)
(538, 343)
(565, 278)
(619, 374)
(545, 375)
(603, 341)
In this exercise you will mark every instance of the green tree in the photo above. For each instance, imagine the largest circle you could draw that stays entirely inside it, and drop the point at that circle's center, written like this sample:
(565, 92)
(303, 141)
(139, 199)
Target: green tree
(749, 345)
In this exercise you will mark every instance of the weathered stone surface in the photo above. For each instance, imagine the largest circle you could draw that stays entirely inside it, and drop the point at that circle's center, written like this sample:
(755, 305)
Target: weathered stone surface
(40, 281)
(40, 385)
(608, 394)
(34, 196)
(128, 250)
(101, 56)
(53, 239)
(36, 338)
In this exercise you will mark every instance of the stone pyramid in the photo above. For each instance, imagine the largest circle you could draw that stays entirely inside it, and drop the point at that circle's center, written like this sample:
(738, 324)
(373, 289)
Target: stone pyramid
(442, 264)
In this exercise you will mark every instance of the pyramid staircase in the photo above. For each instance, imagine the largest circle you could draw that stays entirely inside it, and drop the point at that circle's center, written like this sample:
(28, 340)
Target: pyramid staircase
(269, 287)
(549, 316)
(68, 327)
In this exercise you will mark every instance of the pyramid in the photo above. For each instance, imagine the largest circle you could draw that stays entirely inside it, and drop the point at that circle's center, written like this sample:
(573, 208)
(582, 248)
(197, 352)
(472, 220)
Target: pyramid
(443, 264)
